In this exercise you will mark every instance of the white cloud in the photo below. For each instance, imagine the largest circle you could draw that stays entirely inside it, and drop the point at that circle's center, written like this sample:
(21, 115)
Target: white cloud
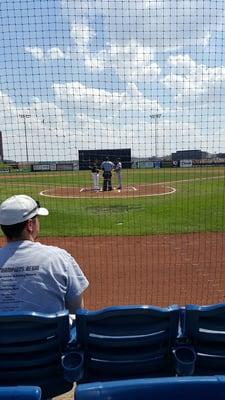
(54, 53)
(168, 136)
(181, 64)
(6, 104)
(51, 135)
(152, 23)
(88, 98)
(36, 52)
(100, 135)
(131, 61)
(194, 82)
(47, 131)
(204, 40)
(81, 34)
(105, 103)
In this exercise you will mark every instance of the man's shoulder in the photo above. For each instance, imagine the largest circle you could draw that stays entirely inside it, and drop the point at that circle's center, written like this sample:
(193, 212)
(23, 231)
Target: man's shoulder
(54, 255)
(50, 249)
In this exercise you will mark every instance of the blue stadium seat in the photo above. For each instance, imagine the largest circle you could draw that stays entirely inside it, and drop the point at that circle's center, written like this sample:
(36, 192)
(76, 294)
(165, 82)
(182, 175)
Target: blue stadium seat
(20, 393)
(126, 341)
(31, 348)
(204, 328)
(176, 388)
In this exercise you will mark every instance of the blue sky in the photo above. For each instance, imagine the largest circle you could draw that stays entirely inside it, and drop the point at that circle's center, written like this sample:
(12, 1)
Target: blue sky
(90, 74)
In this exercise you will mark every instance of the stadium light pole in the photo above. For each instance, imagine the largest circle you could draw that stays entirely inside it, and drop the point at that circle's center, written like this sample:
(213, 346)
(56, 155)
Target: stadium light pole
(24, 116)
(156, 118)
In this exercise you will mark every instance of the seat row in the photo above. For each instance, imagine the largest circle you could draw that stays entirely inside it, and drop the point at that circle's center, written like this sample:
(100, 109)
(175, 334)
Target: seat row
(174, 388)
(20, 393)
(147, 341)
(112, 344)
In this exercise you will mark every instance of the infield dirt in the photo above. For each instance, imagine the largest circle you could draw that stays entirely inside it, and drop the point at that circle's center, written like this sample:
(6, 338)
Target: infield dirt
(158, 269)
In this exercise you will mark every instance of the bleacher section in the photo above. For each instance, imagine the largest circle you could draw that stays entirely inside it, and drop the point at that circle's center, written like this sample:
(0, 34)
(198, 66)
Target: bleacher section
(137, 346)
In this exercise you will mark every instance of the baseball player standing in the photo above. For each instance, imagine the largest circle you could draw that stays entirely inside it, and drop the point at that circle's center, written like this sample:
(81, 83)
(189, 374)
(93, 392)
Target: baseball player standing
(95, 176)
(107, 167)
(118, 168)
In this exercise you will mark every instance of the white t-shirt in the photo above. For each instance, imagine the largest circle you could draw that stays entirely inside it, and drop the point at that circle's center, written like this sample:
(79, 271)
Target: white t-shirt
(40, 278)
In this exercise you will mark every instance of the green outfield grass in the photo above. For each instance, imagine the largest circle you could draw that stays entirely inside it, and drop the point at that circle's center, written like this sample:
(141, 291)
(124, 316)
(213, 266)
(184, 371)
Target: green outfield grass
(197, 205)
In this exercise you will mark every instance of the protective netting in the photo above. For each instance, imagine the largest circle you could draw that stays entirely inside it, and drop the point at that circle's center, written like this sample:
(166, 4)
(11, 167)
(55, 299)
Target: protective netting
(141, 82)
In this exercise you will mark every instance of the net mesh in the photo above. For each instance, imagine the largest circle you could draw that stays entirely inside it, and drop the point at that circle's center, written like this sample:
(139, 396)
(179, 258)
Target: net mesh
(142, 81)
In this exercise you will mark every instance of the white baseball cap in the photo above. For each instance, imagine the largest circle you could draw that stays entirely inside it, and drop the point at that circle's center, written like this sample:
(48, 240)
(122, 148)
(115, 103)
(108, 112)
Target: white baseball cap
(19, 208)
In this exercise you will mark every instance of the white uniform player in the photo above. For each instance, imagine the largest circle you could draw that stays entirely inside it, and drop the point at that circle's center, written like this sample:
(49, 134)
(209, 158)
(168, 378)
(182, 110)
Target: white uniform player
(118, 168)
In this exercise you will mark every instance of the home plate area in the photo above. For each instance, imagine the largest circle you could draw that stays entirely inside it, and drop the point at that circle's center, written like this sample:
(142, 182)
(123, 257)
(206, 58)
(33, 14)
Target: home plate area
(126, 191)
(114, 189)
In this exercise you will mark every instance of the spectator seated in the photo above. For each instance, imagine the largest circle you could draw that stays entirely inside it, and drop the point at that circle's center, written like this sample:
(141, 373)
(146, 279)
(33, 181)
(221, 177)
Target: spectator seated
(124, 342)
(31, 348)
(175, 388)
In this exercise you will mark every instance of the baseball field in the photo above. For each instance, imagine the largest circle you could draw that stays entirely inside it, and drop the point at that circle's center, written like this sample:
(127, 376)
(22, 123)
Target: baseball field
(158, 241)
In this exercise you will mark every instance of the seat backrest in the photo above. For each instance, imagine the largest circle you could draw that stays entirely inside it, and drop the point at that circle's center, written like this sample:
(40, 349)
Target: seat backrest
(127, 341)
(31, 346)
(20, 393)
(176, 388)
(204, 328)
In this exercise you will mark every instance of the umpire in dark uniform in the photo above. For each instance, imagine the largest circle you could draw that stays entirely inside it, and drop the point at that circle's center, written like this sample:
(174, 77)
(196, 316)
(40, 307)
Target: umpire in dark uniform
(107, 167)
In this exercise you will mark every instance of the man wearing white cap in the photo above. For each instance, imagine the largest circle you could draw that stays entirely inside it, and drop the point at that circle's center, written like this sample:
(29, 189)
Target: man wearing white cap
(33, 276)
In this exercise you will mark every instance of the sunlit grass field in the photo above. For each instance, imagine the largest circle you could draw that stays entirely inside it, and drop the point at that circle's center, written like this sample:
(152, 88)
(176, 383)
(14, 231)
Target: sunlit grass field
(198, 205)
